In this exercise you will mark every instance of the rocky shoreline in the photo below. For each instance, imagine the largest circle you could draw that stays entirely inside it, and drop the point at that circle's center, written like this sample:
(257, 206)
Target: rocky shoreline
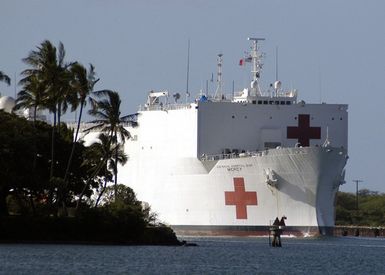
(359, 231)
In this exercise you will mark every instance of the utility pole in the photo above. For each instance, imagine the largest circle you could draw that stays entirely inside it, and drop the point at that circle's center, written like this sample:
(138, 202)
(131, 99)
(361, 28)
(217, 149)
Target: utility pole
(357, 181)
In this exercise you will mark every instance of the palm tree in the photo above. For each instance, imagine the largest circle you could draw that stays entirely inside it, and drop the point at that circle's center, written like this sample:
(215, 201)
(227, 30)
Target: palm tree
(82, 83)
(105, 149)
(31, 96)
(108, 120)
(5, 78)
(48, 66)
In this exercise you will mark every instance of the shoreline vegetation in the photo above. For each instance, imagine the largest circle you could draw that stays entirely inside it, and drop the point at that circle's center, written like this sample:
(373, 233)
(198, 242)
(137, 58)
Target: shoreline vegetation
(53, 188)
(37, 209)
(361, 214)
(365, 209)
(84, 230)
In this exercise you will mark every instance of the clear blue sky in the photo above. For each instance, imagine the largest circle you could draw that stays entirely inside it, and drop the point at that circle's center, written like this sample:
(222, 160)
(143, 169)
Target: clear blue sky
(329, 50)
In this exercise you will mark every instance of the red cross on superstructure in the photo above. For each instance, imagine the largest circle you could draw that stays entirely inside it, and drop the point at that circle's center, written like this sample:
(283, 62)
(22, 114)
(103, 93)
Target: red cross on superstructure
(240, 198)
(304, 132)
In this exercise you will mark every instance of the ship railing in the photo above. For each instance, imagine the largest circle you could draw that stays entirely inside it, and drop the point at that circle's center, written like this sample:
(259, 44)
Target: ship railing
(269, 94)
(205, 157)
(165, 107)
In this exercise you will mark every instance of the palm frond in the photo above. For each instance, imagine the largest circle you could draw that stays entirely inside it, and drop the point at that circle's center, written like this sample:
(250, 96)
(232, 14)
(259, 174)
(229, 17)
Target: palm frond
(5, 78)
(130, 120)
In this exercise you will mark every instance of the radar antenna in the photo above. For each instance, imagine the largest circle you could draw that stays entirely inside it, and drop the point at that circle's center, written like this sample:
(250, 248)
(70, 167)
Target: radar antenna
(257, 65)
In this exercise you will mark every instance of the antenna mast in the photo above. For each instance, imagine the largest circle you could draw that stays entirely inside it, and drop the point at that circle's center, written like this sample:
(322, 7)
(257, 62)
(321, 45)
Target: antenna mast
(257, 65)
(276, 63)
(218, 92)
(188, 66)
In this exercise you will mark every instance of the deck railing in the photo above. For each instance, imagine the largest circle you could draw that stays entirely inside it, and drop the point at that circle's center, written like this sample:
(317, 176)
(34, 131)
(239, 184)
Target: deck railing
(234, 155)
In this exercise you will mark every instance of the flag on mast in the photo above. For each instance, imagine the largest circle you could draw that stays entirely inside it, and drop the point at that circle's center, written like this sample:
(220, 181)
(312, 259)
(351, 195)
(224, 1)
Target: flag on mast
(243, 60)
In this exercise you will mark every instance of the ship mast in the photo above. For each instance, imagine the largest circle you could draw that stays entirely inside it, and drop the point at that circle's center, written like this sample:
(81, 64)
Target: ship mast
(257, 66)
(219, 92)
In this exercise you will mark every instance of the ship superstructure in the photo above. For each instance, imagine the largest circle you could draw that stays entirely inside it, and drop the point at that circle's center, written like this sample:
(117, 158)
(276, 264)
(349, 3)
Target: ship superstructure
(225, 165)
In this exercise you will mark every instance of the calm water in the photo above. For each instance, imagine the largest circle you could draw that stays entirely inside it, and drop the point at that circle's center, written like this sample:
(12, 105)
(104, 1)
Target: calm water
(212, 256)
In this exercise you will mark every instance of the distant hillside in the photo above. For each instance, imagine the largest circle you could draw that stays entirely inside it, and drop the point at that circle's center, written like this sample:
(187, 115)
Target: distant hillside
(370, 212)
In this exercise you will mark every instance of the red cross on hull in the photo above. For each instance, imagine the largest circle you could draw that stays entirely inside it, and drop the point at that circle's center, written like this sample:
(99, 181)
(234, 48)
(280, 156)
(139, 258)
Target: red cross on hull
(240, 198)
(304, 132)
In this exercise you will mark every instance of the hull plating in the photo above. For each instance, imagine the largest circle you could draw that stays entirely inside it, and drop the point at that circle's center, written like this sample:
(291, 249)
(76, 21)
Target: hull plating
(234, 193)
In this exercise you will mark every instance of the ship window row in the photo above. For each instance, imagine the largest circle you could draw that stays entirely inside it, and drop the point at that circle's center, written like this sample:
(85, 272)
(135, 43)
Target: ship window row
(273, 102)
(313, 118)
(233, 116)
(245, 117)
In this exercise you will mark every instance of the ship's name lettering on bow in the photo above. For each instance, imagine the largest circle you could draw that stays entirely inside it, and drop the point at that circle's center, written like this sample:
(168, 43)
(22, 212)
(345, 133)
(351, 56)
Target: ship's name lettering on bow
(235, 167)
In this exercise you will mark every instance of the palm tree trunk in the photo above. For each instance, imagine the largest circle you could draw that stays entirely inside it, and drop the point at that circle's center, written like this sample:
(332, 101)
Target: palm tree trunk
(34, 115)
(89, 180)
(101, 193)
(116, 167)
(74, 144)
(58, 116)
(34, 139)
(51, 173)
(100, 165)
(53, 146)
(72, 153)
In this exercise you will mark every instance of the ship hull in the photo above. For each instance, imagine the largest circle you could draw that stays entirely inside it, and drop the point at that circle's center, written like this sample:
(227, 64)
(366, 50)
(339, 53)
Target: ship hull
(243, 195)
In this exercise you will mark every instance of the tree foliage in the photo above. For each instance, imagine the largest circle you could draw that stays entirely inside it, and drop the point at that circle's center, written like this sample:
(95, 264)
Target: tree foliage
(25, 160)
(370, 212)
(108, 120)
(5, 78)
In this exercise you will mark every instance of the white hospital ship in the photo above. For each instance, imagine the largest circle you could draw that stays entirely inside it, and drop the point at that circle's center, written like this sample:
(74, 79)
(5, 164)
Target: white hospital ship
(229, 165)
